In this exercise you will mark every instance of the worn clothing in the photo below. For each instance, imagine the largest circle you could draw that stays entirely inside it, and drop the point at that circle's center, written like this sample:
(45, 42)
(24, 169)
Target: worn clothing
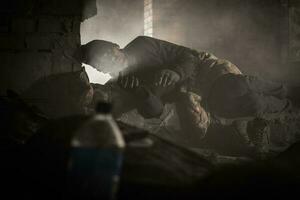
(218, 85)
(241, 96)
(207, 71)
(147, 56)
(198, 70)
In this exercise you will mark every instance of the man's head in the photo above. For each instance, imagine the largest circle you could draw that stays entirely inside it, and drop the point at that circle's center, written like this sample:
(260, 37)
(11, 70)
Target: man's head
(105, 56)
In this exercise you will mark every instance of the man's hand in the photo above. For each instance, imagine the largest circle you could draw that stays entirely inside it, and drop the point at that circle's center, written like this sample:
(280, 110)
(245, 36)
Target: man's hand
(167, 77)
(128, 81)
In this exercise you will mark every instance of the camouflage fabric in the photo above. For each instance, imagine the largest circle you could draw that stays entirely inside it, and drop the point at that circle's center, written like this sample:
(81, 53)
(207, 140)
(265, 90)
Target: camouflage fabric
(259, 135)
(207, 71)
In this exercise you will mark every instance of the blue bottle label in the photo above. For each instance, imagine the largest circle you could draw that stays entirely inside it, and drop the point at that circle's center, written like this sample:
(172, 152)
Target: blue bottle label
(95, 172)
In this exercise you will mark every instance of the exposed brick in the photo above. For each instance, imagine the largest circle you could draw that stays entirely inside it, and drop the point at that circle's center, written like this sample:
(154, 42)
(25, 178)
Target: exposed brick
(23, 25)
(44, 63)
(12, 42)
(61, 64)
(18, 7)
(6, 42)
(76, 66)
(57, 25)
(32, 59)
(50, 25)
(8, 7)
(63, 52)
(6, 59)
(76, 26)
(28, 67)
(4, 28)
(39, 42)
(67, 25)
(294, 3)
(67, 44)
(61, 8)
(5, 76)
(5, 23)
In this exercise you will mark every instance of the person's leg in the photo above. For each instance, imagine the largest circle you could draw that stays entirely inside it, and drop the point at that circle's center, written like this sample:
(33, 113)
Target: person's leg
(266, 87)
(148, 104)
(243, 97)
(238, 96)
(257, 105)
(151, 99)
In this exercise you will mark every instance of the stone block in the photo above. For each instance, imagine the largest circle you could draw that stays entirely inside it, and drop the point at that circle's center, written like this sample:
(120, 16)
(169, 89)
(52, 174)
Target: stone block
(61, 8)
(27, 67)
(6, 59)
(37, 42)
(76, 66)
(61, 63)
(23, 25)
(5, 75)
(18, 7)
(4, 29)
(44, 64)
(63, 52)
(76, 25)
(294, 3)
(67, 24)
(57, 25)
(50, 25)
(12, 42)
(36, 60)
(8, 7)
(5, 23)
(67, 44)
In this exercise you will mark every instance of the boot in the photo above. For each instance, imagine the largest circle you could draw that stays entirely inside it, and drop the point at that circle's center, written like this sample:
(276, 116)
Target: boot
(240, 127)
(259, 133)
(289, 118)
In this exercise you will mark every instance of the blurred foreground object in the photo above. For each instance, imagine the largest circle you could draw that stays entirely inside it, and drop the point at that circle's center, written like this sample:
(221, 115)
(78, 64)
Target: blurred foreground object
(96, 156)
(18, 120)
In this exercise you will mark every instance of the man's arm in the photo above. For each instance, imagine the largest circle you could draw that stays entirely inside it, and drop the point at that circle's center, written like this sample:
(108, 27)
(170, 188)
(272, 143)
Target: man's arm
(185, 65)
(212, 67)
(179, 59)
(163, 55)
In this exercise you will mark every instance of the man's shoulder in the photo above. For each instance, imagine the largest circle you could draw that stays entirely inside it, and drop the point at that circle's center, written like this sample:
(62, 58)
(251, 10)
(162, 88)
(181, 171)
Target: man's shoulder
(141, 40)
(145, 38)
(150, 40)
(146, 43)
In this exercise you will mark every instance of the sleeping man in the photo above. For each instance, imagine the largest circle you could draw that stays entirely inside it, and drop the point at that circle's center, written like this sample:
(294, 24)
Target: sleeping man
(203, 87)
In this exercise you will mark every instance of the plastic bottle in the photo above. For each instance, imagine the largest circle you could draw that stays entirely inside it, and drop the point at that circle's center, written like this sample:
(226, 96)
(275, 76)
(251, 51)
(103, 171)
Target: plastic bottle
(96, 156)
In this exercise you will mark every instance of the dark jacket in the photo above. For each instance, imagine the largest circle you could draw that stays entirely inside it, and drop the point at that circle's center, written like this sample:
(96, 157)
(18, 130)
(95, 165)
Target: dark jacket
(148, 55)
(198, 70)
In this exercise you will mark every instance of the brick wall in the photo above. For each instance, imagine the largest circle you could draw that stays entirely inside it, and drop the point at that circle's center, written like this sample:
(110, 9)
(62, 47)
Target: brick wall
(37, 38)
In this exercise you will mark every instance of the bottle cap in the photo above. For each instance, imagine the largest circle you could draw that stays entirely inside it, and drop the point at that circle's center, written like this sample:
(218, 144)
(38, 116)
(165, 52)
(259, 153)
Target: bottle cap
(103, 107)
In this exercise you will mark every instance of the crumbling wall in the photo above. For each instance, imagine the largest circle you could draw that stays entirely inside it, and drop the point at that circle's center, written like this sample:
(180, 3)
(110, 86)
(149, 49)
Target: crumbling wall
(37, 38)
